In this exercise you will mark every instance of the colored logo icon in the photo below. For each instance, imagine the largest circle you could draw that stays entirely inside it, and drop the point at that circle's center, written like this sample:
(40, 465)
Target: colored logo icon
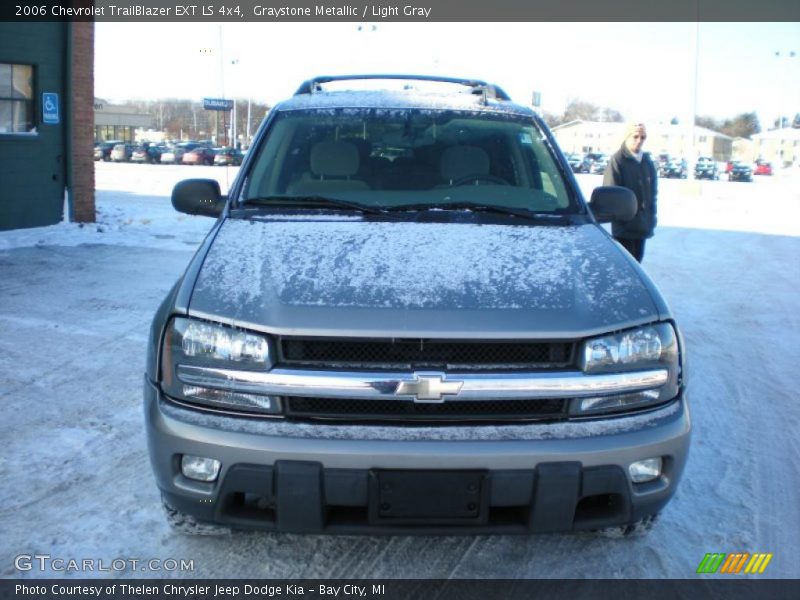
(734, 563)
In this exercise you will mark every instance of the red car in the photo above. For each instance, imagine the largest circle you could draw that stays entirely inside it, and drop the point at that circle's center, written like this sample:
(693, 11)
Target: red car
(762, 168)
(199, 155)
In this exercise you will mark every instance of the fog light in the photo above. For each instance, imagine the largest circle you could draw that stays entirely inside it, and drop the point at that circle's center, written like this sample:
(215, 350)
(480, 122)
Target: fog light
(645, 470)
(199, 468)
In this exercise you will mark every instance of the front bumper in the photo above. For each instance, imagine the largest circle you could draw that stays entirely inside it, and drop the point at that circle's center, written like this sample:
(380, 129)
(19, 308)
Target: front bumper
(290, 477)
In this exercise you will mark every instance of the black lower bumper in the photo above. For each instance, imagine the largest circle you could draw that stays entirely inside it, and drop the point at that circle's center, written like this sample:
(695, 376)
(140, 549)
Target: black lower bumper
(295, 496)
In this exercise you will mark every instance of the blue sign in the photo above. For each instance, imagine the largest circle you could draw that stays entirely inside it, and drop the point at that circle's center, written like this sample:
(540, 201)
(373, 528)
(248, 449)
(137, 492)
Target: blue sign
(50, 108)
(217, 104)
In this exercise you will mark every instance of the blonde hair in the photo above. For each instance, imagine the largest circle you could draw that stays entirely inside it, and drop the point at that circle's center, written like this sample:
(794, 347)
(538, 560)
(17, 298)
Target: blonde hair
(631, 128)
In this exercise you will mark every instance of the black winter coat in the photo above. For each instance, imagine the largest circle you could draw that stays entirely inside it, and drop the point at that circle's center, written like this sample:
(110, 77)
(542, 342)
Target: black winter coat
(641, 178)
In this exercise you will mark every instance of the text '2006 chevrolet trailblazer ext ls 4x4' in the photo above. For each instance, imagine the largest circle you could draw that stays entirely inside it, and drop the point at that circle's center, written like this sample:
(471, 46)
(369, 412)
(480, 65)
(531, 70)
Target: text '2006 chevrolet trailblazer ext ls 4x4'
(406, 319)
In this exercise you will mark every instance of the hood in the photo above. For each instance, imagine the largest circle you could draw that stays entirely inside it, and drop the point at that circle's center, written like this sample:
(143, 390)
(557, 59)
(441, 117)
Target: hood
(349, 277)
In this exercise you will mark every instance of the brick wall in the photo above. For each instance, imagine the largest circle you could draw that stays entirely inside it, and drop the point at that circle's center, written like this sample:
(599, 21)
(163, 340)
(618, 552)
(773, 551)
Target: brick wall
(82, 95)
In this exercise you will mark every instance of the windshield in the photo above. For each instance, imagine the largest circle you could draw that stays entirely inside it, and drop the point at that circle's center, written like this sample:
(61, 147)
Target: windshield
(390, 158)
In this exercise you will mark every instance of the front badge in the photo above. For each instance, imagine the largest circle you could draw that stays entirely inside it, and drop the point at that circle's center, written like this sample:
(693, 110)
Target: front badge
(428, 387)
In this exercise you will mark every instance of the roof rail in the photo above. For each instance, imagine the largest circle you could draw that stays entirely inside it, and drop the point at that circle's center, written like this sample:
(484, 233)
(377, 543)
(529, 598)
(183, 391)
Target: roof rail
(478, 87)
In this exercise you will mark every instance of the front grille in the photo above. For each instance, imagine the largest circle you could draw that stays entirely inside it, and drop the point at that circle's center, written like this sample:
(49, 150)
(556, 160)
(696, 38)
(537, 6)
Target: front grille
(418, 353)
(405, 410)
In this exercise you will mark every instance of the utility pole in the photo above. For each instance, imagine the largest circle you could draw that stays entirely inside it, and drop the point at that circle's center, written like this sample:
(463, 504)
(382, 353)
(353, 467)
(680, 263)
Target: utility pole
(247, 139)
(233, 124)
(234, 138)
(693, 125)
(222, 83)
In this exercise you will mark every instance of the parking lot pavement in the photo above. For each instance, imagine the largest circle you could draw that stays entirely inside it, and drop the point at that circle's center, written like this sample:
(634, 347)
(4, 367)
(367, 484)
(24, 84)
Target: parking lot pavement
(75, 306)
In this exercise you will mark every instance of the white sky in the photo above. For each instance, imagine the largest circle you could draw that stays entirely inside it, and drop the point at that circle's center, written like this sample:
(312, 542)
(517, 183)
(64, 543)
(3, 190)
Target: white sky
(644, 70)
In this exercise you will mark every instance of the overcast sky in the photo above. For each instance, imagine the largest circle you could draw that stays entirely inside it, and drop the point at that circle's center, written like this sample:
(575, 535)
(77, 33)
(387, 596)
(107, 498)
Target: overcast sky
(644, 70)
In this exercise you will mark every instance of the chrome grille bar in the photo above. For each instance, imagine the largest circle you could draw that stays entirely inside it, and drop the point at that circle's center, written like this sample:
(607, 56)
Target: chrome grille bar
(385, 385)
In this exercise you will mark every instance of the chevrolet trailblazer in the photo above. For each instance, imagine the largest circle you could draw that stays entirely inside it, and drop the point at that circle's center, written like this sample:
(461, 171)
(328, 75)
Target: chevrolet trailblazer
(406, 319)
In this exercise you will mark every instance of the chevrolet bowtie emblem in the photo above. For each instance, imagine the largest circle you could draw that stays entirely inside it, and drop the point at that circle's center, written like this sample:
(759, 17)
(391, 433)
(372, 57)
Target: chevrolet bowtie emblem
(428, 387)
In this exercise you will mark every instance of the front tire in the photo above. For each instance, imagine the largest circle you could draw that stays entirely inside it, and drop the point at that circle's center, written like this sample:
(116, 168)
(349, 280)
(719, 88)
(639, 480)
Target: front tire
(637, 529)
(186, 524)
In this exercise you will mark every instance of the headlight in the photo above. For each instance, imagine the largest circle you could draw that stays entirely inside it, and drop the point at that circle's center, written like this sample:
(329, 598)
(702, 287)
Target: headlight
(204, 344)
(206, 340)
(636, 348)
(654, 347)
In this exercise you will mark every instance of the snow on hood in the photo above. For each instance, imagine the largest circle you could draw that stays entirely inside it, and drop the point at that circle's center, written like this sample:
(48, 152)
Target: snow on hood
(410, 266)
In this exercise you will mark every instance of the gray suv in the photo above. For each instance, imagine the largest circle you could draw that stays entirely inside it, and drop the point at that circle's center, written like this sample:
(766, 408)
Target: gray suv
(406, 319)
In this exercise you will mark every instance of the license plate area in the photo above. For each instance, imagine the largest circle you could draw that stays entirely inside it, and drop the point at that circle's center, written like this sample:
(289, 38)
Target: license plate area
(409, 497)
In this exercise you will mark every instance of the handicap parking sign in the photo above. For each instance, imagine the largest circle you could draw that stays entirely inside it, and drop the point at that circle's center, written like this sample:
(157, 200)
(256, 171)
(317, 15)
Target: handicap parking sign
(50, 108)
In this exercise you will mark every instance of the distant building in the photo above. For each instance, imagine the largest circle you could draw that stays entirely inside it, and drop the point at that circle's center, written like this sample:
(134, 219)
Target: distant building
(744, 149)
(150, 135)
(780, 146)
(676, 140)
(589, 136)
(114, 122)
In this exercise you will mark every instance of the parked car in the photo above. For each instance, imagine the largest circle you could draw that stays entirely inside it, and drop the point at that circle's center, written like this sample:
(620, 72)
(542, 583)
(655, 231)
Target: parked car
(660, 161)
(102, 150)
(174, 152)
(581, 163)
(762, 168)
(122, 152)
(676, 168)
(586, 164)
(198, 155)
(147, 153)
(446, 342)
(168, 155)
(598, 163)
(228, 156)
(740, 172)
(706, 168)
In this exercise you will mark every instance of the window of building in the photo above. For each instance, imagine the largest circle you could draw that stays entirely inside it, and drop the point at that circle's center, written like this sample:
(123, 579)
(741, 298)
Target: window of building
(16, 98)
(123, 133)
(703, 139)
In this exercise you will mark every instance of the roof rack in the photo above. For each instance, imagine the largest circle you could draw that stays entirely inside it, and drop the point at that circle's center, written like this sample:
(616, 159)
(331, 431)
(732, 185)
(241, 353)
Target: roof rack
(478, 87)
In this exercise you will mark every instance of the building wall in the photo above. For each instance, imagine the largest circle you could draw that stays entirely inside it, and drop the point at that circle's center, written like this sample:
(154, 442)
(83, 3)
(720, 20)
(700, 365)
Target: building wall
(781, 147)
(33, 173)
(744, 150)
(586, 136)
(55, 159)
(118, 122)
(722, 148)
(82, 97)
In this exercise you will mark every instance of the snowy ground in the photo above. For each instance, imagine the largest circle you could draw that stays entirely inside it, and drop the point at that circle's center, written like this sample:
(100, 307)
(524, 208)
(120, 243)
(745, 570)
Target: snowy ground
(76, 302)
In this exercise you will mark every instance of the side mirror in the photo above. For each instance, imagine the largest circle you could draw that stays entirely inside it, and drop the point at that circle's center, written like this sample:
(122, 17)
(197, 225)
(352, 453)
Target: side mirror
(198, 197)
(613, 203)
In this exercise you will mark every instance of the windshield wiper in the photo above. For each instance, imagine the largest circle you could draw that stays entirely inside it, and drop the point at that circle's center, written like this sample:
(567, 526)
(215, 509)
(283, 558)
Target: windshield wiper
(311, 202)
(477, 207)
